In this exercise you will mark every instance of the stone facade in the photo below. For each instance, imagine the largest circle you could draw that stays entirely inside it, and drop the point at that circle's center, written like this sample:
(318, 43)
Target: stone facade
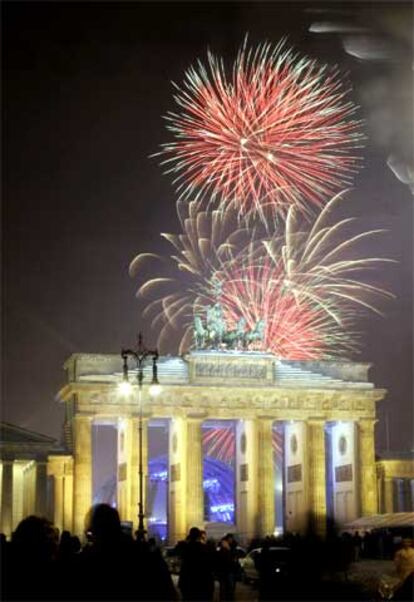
(24, 457)
(256, 390)
(395, 482)
(325, 409)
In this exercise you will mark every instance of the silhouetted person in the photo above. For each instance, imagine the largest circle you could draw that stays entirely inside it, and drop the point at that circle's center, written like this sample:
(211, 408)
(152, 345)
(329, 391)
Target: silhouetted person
(196, 580)
(30, 561)
(226, 570)
(113, 568)
(357, 543)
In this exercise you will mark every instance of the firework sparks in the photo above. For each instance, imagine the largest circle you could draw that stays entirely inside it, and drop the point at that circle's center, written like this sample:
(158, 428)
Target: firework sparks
(307, 287)
(220, 443)
(254, 288)
(324, 267)
(280, 131)
(208, 241)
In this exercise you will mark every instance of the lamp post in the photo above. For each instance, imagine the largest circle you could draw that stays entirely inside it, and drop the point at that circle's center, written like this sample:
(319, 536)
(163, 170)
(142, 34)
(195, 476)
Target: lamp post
(139, 355)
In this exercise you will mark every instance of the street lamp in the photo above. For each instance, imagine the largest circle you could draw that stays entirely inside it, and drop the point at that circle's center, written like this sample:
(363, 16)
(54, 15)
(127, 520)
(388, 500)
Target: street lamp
(139, 355)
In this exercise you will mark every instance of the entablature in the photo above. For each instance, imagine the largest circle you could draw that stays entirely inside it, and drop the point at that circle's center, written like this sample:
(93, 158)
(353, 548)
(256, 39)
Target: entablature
(227, 402)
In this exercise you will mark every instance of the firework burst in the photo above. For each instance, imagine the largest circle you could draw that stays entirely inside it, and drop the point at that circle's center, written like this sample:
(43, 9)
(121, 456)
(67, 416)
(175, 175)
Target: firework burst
(208, 241)
(254, 289)
(323, 266)
(278, 131)
(306, 287)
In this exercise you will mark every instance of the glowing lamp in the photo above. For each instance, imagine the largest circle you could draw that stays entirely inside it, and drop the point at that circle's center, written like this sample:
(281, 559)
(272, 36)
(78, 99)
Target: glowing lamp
(124, 388)
(155, 389)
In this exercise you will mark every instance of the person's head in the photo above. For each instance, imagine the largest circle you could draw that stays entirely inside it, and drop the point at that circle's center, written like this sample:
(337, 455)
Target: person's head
(103, 523)
(407, 542)
(65, 538)
(35, 537)
(194, 534)
(229, 537)
(225, 544)
(75, 544)
(203, 536)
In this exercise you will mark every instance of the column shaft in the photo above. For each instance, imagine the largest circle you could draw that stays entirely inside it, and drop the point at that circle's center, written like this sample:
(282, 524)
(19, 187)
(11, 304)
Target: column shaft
(58, 502)
(68, 499)
(367, 469)
(296, 476)
(82, 472)
(317, 475)
(177, 480)
(41, 489)
(18, 495)
(246, 479)
(7, 497)
(266, 490)
(388, 495)
(195, 492)
(133, 469)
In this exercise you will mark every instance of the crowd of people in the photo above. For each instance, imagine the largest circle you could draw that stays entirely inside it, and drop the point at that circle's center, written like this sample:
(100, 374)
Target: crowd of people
(37, 564)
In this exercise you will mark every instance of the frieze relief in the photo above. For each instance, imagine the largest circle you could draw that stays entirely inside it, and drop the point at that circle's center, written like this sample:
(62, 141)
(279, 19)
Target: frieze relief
(173, 398)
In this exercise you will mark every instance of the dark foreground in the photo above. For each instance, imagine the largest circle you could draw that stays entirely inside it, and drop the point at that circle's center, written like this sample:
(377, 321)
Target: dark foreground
(38, 565)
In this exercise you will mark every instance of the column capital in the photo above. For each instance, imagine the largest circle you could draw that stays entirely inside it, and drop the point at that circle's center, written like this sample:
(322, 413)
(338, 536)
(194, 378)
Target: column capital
(196, 416)
(367, 422)
(55, 468)
(266, 419)
(79, 417)
(315, 420)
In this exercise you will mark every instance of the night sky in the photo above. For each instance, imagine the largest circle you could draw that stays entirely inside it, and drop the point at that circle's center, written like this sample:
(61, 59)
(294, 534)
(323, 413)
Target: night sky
(85, 85)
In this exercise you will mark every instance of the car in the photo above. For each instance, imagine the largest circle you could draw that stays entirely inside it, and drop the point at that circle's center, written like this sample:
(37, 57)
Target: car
(279, 562)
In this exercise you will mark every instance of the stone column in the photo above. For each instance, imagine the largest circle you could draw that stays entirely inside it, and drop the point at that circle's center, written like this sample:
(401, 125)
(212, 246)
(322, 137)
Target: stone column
(344, 472)
(195, 491)
(58, 501)
(29, 488)
(55, 470)
(296, 473)
(18, 494)
(265, 477)
(367, 469)
(41, 488)
(177, 480)
(82, 471)
(388, 506)
(133, 469)
(68, 496)
(317, 474)
(246, 479)
(122, 502)
(7, 497)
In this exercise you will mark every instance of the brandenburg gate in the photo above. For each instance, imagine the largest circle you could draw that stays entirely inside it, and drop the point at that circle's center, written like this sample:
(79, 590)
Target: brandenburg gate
(257, 391)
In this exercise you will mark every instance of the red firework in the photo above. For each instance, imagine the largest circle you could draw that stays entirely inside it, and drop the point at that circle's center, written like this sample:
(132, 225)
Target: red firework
(278, 132)
(253, 287)
(220, 442)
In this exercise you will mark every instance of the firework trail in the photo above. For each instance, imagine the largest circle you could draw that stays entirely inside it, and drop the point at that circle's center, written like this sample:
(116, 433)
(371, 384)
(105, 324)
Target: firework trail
(278, 131)
(254, 288)
(307, 286)
(181, 288)
(324, 266)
